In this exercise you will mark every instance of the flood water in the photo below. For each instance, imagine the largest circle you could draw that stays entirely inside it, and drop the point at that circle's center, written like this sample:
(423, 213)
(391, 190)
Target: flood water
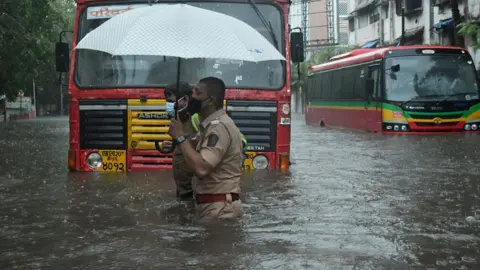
(351, 200)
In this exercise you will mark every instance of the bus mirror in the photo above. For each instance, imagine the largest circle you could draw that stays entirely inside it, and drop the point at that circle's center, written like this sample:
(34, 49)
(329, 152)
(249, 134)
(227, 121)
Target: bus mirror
(395, 68)
(62, 53)
(369, 86)
(296, 47)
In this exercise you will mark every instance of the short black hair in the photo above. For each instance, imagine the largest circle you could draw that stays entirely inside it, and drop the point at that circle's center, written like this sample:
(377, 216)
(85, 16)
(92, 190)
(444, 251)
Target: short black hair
(215, 88)
(184, 90)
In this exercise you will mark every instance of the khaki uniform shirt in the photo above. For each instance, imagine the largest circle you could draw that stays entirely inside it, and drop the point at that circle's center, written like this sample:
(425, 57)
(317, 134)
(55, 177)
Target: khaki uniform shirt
(223, 152)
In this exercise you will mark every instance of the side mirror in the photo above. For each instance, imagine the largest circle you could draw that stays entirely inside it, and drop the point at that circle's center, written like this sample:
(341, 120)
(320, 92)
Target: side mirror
(297, 47)
(395, 68)
(369, 87)
(62, 56)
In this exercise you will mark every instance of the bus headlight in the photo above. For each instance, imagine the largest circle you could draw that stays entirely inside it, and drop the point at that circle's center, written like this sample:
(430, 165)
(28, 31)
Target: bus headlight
(94, 160)
(286, 108)
(260, 162)
(396, 127)
(467, 127)
(404, 128)
(474, 127)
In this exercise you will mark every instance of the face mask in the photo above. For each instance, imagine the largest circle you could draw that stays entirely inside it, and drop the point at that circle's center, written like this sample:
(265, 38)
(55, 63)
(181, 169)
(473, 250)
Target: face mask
(170, 108)
(194, 106)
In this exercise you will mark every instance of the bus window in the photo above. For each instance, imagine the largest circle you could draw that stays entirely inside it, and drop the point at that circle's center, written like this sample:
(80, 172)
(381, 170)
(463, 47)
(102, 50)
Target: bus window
(373, 73)
(359, 73)
(349, 83)
(327, 85)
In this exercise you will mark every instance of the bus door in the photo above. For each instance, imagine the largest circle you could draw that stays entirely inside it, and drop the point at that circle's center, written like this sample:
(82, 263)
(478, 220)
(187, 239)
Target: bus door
(373, 110)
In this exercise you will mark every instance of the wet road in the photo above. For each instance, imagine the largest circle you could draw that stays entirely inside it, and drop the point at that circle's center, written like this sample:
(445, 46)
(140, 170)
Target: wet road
(350, 201)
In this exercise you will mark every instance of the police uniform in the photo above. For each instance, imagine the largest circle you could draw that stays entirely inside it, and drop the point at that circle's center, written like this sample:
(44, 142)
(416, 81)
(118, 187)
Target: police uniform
(220, 144)
(182, 173)
(197, 126)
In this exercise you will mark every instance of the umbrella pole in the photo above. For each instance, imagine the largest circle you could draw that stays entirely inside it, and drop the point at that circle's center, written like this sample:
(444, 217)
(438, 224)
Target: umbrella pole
(178, 86)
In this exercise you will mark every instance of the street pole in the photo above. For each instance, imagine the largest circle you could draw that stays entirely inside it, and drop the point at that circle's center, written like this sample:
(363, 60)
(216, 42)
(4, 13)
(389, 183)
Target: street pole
(402, 39)
(34, 97)
(61, 95)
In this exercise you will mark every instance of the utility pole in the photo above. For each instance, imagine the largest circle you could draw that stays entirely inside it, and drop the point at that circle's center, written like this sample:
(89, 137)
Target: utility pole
(61, 95)
(34, 97)
(402, 39)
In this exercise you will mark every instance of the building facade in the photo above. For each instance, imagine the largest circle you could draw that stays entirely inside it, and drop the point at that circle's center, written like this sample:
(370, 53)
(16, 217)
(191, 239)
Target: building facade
(376, 23)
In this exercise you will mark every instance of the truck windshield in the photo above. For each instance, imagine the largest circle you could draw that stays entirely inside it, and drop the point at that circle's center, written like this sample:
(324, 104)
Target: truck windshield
(99, 69)
(430, 77)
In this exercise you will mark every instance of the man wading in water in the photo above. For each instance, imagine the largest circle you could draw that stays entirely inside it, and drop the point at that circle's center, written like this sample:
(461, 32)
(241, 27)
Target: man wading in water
(217, 159)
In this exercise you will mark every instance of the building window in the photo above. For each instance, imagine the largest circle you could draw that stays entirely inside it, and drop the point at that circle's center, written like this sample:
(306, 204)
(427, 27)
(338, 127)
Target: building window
(351, 25)
(342, 8)
(375, 17)
(412, 4)
(362, 21)
(343, 38)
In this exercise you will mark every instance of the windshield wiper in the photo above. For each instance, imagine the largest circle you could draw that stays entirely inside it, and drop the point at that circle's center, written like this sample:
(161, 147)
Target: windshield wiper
(266, 23)
(457, 94)
(417, 97)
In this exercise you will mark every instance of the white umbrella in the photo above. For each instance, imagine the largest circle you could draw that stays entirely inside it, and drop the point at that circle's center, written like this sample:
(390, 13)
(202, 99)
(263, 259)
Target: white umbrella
(182, 31)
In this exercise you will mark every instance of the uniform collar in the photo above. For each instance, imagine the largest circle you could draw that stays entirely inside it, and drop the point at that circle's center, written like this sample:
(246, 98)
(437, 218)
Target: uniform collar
(212, 117)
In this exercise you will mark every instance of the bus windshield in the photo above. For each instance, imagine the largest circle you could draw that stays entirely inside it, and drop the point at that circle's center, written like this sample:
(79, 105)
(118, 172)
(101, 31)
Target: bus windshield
(99, 69)
(430, 77)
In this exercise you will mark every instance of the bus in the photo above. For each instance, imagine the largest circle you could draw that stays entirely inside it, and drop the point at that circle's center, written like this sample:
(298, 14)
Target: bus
(117, 106)
(396, 90)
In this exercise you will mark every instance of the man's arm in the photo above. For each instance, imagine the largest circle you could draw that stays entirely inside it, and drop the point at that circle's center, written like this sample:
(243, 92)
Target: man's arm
(213, 148)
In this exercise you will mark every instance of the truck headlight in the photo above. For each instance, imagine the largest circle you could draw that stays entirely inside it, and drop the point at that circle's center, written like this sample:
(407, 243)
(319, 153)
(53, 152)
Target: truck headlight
(260, 162)
(94, 160)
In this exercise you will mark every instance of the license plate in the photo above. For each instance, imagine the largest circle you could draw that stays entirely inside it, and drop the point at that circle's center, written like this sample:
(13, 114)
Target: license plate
(113, 161)
(248, 160)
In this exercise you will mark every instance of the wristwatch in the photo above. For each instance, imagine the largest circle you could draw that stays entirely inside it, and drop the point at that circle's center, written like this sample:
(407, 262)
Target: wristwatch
(180, 139)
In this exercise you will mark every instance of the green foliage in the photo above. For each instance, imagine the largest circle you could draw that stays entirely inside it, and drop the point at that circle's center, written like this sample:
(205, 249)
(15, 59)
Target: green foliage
(29, 30)
(470, 30)
(318, 57)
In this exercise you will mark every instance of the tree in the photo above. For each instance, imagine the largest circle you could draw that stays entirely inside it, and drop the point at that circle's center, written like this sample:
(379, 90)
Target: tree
(456, 21)
(470, 30)
(29, 30)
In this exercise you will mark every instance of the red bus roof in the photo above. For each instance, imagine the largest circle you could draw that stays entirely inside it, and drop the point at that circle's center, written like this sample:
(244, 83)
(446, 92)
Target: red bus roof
(359, 56)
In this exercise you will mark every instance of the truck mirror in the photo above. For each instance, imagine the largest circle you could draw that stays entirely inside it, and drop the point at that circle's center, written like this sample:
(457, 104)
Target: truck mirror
(62, 56)
(297, 47)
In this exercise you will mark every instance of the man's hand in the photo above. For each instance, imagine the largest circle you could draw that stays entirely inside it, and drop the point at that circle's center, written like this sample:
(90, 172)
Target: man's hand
(176, 129)
(167, 146)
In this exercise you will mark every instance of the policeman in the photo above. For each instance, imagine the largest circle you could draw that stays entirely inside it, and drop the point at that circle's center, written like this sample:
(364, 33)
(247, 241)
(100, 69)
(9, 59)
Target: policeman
(182, 174)
(216, 161)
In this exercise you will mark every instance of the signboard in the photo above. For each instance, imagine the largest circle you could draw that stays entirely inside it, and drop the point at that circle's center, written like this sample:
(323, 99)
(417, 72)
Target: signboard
(20, 102)
(163, 116)
(105, 12)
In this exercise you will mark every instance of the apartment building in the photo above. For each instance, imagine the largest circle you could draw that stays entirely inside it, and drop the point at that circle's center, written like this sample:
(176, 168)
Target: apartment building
(323, 21)
(379, 22)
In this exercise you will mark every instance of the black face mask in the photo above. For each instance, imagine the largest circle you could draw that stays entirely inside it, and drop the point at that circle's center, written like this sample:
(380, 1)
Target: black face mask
(194, 106)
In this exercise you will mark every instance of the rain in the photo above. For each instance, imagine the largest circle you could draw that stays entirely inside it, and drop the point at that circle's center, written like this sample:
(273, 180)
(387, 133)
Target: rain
(350, 200)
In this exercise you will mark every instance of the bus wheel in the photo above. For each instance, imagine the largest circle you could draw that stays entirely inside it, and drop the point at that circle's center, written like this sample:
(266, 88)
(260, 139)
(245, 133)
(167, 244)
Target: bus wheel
(322, 124)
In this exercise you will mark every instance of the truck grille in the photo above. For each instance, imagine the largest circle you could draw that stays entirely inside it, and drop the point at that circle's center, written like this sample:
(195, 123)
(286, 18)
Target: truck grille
(257, 120)
(148, 123)
(103, 124)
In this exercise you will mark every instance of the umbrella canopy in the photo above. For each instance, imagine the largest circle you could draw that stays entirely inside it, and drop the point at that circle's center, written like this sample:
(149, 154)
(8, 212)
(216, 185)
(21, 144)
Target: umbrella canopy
(180, 30)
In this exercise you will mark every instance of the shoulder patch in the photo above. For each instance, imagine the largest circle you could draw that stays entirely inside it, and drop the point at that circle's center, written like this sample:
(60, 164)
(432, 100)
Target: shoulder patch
(212, 140)
(215, 122)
